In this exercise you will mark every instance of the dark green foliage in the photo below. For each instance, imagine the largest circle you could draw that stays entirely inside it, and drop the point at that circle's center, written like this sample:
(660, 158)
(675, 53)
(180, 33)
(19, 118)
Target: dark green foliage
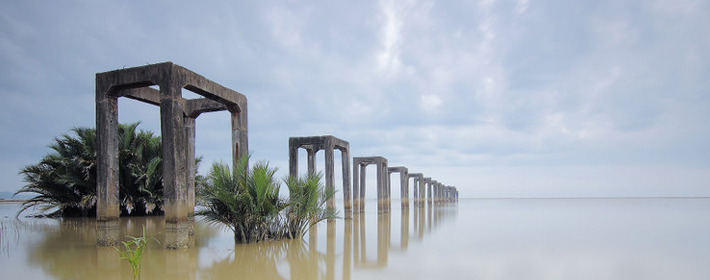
(65, 179)
(246, 201)
(306, 206)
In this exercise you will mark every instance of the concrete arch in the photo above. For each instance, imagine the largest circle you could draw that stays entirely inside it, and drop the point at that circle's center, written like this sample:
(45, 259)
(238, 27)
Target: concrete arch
(177, 116)
(359, 166)
(403, 183)
(328, 143)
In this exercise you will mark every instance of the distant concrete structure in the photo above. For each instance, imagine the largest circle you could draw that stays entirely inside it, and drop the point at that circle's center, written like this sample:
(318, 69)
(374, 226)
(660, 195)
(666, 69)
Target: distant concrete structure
(422, 190)
(177, 117)
(431, 191)
(418, 180)
(327, 143)
(403, 183)
(359, 167)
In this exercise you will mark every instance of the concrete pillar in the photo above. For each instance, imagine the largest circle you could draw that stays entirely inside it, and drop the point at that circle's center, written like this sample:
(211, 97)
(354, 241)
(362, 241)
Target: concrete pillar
(240, 142)
(422, 190)
(292, 160)
(312, 161)
(418, 180)
(356, 188)
(107, 199)
(416, 191)
(347, 197)
(403, 183)
(381, 186)
(191, 166)
(330, 175)
(363, 176)
(429, 192)
(174, 164)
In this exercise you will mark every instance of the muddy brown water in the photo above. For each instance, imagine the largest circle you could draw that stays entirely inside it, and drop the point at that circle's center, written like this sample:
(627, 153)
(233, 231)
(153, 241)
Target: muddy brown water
(474, 239)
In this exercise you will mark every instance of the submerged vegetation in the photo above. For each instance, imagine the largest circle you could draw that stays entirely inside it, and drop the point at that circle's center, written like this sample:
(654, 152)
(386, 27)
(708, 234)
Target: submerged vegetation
(65, 179)
(247, 202)
(133, 253)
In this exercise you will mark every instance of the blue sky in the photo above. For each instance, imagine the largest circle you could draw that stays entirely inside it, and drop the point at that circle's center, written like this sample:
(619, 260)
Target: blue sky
(499, 98)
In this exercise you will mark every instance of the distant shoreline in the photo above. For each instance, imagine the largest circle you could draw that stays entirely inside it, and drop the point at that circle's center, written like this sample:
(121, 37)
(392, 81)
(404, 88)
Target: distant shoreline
(597, 198)
(12, 200)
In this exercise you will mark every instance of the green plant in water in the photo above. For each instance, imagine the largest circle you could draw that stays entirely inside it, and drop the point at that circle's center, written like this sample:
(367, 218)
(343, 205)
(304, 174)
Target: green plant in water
(245, 201)
(307, 204)
(133, 253)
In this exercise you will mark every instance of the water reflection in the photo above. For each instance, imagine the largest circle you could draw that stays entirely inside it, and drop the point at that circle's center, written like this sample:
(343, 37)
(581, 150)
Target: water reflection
(66, 249)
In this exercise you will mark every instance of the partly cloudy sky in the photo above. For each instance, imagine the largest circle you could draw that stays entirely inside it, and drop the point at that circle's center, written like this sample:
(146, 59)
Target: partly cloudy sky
(499, 98)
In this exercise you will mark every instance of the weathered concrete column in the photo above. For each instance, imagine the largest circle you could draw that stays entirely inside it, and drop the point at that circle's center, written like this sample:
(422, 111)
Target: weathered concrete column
(191, 165)
(107, 199)
(381, 188)
(418, 180)
(240, 135)
(430, 192)
(330, 176)
(356, 188)
(311, 161)
(403, 183)
(422, 190)
(345, 171)
(174, 164)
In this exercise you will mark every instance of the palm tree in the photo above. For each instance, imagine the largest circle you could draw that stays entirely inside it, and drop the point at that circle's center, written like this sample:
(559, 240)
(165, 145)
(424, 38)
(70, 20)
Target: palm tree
(65, 179)
(245, 201)
(306, 205)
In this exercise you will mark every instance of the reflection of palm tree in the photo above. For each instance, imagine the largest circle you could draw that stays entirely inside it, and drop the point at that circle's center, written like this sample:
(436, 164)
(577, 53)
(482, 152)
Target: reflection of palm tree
(68, 250)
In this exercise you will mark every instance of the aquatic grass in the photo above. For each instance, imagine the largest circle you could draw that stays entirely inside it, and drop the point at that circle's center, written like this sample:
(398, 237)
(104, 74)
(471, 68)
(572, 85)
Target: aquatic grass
(133, 253)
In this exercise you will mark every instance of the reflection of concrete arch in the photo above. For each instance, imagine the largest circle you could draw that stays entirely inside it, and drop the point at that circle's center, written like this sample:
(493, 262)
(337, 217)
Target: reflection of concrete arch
(177, 117)
(328, 144)
(403, 183)
(359, 166)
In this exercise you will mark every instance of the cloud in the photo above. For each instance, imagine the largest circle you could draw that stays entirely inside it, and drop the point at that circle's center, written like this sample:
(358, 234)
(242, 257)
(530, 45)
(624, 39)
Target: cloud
(480, 86)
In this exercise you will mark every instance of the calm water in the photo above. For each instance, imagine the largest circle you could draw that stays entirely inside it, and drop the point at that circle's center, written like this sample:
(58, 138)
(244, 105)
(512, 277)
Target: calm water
(474, 239)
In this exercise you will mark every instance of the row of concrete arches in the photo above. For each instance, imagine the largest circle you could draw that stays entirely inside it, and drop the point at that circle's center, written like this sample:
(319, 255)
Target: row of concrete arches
(426, 190)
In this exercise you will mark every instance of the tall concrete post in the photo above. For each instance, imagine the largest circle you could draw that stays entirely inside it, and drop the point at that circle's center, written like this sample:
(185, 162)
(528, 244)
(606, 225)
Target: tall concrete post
(430, 193)
(363, 176)
(330, 176)
(381, 187)
(191, 165)
(418, 180)
(422, 190)
(356, 188)
(312, 161)
(240, 142)
(345, 171)
(107, 199)
(174, 164)
(403, 183)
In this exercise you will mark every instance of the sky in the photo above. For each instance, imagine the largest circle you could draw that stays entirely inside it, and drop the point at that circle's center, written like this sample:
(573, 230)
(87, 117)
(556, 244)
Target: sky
(498, 98)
